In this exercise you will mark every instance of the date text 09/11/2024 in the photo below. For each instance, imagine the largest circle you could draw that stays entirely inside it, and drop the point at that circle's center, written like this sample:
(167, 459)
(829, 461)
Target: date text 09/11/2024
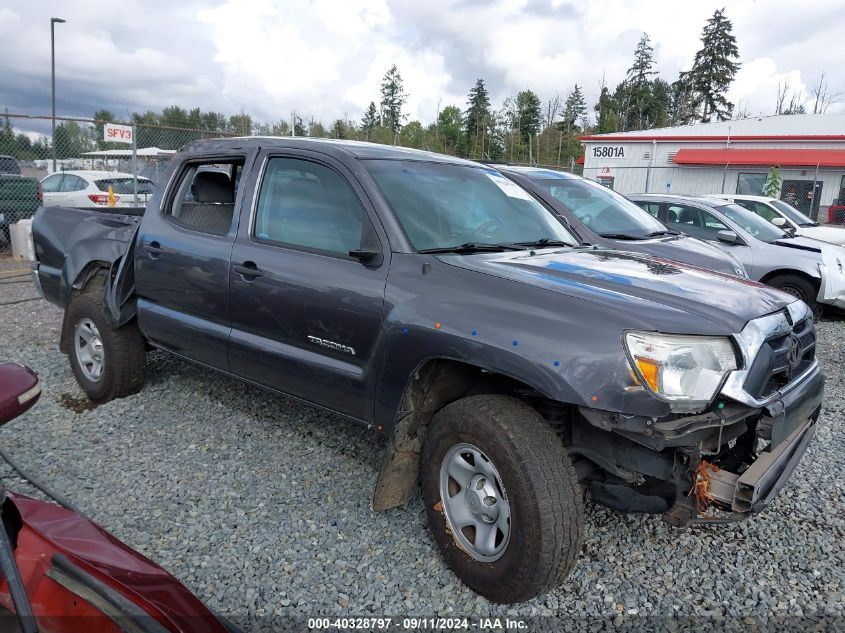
(417, 623)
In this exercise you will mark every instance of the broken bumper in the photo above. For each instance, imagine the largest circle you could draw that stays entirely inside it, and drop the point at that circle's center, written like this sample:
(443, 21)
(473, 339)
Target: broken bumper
(832, 271)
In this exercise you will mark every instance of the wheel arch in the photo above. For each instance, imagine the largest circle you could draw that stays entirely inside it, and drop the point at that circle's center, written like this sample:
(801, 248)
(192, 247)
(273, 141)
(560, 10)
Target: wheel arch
(780, 272)
(435, 383)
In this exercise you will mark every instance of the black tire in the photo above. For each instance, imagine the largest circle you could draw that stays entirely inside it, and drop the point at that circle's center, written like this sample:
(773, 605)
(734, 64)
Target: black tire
(123, 350)
(798, 287)
(546, 506)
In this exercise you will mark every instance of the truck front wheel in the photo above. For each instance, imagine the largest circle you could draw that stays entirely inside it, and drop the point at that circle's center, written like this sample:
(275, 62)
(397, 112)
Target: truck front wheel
(502, 497)
(107, 363)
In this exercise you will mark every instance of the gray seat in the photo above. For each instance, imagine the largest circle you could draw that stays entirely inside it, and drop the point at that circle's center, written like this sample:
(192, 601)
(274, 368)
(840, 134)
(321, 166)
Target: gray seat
(213, 206)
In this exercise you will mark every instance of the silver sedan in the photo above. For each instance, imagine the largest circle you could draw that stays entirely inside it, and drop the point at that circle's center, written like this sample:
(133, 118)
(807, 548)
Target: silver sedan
(811, 270)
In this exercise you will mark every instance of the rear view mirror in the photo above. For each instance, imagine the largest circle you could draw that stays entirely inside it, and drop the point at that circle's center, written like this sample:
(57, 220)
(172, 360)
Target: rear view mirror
(779, 221)
(19, 390)
(728, 237)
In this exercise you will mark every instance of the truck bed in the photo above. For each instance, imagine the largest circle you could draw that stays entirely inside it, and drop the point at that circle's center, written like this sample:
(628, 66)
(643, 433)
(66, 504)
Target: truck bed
(68, 238)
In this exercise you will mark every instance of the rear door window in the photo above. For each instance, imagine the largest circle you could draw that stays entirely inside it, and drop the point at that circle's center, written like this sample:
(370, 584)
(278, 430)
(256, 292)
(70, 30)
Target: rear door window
(9, 165)
(72, 183)
(204, 198)
(694, 221)
(52, 184)
(124, 185)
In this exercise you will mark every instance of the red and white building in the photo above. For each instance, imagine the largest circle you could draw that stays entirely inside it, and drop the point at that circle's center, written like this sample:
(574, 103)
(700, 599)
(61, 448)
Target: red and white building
(727, 157)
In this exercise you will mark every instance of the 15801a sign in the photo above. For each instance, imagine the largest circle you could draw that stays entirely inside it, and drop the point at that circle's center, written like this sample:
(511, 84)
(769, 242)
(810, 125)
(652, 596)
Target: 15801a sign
(609, 151)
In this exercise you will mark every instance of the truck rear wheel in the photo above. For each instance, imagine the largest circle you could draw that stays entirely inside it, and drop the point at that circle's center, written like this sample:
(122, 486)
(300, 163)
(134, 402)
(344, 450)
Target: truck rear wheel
(107, 363)
(502, 497)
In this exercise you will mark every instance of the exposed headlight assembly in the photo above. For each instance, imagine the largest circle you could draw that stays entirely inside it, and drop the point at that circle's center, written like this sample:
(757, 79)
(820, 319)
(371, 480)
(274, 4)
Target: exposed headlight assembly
(687, 370)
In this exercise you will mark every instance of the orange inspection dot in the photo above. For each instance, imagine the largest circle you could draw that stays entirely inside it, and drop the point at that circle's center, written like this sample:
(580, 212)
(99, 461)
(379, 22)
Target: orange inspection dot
(595, 398)
(437, 325)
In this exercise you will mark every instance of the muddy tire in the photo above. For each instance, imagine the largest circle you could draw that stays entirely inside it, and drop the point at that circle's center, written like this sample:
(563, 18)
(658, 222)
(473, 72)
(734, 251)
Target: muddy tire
(107, 363)
(798, 287)
(502, 497)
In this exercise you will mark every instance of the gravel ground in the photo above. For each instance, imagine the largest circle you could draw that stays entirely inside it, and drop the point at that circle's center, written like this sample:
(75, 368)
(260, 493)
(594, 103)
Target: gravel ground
(260, 505)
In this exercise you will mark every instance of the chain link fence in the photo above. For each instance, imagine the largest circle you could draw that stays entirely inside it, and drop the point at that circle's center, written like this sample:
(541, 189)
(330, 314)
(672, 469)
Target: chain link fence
(81, 168)
(810, 190)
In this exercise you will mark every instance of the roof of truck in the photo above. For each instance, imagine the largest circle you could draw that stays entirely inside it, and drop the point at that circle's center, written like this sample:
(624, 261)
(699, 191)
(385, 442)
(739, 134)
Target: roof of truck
(357, 149)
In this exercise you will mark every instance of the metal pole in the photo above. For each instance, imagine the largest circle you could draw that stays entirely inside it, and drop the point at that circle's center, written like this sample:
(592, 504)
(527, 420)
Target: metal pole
(814, 216)
(134, 165)
(53, 83)
(724, 177)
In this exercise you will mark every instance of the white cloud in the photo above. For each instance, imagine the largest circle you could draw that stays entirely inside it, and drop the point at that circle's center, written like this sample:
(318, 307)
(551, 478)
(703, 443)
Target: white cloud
(326, 58)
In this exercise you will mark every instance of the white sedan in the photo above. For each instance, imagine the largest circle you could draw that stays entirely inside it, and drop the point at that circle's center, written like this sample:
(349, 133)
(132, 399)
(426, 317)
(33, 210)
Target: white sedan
(786, 216)
(79, 188)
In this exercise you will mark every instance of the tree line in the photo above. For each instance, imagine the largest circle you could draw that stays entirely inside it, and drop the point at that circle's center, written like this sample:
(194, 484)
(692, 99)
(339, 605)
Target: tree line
(522, 129)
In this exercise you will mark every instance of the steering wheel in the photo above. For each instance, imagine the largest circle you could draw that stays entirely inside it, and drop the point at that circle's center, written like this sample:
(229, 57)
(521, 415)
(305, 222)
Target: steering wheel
(481, 230)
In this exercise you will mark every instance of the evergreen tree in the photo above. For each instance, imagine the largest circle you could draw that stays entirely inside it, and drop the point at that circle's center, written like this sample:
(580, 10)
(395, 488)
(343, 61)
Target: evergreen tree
(528, 114)
(370, 120)
(607, 116)
(392, 100)
(638, 89)
(477, 115)
(450, 128)
(574, 109)
(683, 102)
(715, 66)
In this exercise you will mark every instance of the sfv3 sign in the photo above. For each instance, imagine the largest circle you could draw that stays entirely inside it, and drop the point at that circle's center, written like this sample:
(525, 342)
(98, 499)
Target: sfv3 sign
(117, 133)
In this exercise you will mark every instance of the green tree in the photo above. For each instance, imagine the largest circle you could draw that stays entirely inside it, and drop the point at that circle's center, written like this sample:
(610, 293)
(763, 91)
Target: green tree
(450, 128)
(773, 183)
(638, 88)
(240, 124)
(477, 117)
(370, 120)
(528, 114)
(683, 101)
(715, 67)
(393, 98)
(71, 140)
(574, 109)
(607, 115)
(412, 135)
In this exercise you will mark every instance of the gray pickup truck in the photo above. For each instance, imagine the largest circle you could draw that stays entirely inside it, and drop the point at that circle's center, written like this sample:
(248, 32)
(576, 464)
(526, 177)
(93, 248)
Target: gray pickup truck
(512, 367)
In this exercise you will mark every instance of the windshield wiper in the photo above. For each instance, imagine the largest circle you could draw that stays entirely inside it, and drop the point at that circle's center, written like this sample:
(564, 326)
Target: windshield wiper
(544, 242)
(472, 247)
(663, 232)
(621, 236)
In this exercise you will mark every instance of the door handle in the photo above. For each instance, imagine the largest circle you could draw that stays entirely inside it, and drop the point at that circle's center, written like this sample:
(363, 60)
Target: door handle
(153, 249)
(247, 270)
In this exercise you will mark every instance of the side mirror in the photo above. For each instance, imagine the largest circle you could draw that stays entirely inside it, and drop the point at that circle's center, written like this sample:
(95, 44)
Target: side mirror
(19, 390)
(779, 221)
(728, 237)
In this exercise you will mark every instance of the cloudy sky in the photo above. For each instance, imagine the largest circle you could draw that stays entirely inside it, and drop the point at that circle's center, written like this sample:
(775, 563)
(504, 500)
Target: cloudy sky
(325, 58)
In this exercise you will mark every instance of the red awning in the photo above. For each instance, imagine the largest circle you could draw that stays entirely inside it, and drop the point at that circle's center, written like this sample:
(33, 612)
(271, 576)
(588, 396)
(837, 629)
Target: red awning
(767, 157)
(580, 160)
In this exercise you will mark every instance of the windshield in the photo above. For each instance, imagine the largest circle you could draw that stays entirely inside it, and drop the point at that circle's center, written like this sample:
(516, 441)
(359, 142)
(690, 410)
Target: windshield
(792, 213)
(603, 210)
(753, 223)
(445, 206)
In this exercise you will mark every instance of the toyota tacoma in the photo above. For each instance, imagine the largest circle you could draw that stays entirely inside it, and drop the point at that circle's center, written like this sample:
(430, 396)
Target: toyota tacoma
(513, 368)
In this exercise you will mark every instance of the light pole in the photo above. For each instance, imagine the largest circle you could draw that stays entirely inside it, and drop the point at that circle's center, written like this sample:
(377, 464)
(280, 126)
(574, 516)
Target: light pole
(53, 77)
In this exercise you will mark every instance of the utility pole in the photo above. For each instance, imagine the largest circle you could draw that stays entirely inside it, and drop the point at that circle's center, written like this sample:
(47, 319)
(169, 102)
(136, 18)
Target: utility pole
(53, 22)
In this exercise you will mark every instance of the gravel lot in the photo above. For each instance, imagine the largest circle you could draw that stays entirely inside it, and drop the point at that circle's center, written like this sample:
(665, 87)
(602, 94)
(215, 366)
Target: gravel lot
(261, 506)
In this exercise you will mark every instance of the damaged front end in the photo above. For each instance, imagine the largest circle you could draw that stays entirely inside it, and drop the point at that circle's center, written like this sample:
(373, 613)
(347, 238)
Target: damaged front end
(721, 464)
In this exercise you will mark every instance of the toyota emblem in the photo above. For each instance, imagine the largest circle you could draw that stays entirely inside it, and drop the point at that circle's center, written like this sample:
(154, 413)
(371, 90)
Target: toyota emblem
(794, 353)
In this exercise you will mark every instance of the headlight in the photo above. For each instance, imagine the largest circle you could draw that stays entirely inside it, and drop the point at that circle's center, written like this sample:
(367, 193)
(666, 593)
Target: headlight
(683, 369)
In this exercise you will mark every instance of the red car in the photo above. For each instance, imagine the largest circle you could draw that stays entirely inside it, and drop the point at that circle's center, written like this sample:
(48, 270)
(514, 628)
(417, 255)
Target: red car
(836, 212)
(63, 573)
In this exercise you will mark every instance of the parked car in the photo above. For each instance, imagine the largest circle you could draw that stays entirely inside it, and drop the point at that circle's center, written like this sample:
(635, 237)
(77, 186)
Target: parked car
(803, 267)
(81, 188)
(786, 216)
(836, 213)
(601, 216)
(62, 573)
(20, 197)
(439, 302)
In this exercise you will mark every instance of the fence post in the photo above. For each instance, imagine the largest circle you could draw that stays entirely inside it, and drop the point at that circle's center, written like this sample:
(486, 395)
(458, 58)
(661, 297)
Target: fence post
(814, 216)
(724, 177)
(134, 165)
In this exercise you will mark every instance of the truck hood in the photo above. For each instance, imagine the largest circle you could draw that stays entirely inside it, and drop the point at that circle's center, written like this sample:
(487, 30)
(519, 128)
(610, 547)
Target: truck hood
(659, 292)
(689, 250)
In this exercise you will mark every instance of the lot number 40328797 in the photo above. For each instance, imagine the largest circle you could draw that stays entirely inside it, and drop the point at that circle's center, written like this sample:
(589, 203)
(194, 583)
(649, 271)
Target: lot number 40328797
(609, 152)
